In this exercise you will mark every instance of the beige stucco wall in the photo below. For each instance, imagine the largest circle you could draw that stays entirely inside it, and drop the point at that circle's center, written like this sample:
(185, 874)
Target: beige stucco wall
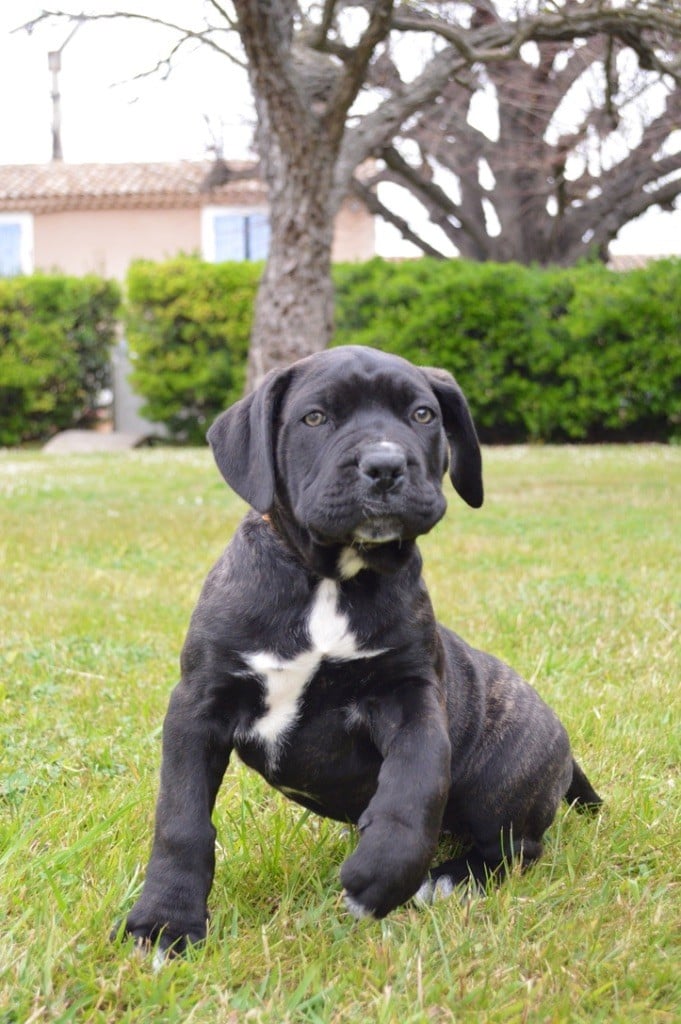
(354, 236)
(105, 241)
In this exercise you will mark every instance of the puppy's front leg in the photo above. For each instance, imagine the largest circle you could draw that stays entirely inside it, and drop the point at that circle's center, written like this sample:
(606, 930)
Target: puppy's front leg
(172, 908)
(400, 827)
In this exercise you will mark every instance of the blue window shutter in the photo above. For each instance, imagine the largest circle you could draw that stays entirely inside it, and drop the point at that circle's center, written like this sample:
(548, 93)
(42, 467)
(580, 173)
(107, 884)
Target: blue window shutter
(241, 236)
(259, 233)
(10, 249)
(230, 237)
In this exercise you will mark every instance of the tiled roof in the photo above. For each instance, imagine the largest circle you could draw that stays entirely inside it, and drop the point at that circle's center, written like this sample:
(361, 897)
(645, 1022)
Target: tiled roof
(43, 188)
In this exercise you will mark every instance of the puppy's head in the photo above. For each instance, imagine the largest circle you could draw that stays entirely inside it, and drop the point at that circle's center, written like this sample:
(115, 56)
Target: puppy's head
(352, 445)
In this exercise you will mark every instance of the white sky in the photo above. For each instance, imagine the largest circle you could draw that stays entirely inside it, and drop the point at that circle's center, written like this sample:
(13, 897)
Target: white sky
(106, 116)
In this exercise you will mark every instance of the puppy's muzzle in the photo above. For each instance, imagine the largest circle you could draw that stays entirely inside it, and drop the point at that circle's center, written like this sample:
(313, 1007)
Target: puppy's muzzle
(383, 467)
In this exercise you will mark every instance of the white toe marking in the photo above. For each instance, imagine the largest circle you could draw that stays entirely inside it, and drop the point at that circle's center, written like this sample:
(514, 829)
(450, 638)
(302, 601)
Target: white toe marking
(443, 888)
(357, 909)
(424, 894)
(159, 961)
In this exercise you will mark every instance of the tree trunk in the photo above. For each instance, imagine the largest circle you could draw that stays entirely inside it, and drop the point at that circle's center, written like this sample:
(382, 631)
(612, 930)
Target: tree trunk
(294, 305)
(302, 98)
(298, 147)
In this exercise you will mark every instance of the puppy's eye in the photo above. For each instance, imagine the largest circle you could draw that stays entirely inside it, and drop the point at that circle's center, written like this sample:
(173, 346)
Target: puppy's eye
(423, 414)
(314, 418)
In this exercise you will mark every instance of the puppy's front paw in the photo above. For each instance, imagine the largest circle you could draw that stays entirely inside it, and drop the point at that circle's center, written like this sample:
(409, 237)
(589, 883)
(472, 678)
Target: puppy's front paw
(357, 909)
(362, 889)
(376, 881)
(167, 938)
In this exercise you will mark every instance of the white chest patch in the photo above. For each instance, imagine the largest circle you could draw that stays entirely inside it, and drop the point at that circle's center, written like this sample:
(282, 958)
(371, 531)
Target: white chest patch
(285, 680)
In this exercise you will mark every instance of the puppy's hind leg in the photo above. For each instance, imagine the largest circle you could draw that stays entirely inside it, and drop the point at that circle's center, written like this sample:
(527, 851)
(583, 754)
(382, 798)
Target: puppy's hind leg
(474, 871)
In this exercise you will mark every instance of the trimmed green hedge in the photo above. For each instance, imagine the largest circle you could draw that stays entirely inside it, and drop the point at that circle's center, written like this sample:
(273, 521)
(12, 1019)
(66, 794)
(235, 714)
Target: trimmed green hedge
(583, 354)
(542, 354)
(56, 334)
(188, 325)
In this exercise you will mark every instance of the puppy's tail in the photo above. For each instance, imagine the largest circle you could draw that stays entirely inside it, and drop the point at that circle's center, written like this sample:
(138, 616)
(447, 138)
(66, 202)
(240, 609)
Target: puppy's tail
(580, 791)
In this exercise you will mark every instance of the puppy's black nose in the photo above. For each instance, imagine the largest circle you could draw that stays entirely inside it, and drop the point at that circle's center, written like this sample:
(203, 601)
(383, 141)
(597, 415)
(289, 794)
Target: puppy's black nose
(383, 465)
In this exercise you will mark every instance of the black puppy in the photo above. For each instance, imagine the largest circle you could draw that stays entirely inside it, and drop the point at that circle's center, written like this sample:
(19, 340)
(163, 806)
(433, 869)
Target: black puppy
(314, 652)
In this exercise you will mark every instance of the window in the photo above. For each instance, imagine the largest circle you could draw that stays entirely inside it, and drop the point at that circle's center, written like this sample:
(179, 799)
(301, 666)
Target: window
(16, 244)
(234, 234)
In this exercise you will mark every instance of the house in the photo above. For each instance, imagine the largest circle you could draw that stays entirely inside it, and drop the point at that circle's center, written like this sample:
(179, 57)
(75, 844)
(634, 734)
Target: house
(97, 218)
(81, 218)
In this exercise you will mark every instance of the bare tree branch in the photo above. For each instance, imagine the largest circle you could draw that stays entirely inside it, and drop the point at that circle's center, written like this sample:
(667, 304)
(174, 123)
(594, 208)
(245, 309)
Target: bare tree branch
(319, 35)
(628, 188)
(543, 210)
(204, 36)
(223, 13)
(439, 205)
(355, 67)
(375, 206)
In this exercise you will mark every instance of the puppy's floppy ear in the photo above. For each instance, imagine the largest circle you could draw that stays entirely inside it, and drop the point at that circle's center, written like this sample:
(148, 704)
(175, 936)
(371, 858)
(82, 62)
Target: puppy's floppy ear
(243, 442)
(465, 467)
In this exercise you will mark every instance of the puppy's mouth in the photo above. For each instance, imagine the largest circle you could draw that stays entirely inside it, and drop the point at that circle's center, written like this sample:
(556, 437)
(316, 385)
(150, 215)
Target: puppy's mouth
(378, 530)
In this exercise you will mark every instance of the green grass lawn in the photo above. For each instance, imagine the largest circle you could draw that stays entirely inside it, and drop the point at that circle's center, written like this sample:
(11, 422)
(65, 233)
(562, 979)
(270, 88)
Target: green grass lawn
(571, 571)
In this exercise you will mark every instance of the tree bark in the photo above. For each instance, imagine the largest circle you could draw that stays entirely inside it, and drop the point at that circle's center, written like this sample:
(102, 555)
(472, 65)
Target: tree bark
(302, 98)
(294, 305)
